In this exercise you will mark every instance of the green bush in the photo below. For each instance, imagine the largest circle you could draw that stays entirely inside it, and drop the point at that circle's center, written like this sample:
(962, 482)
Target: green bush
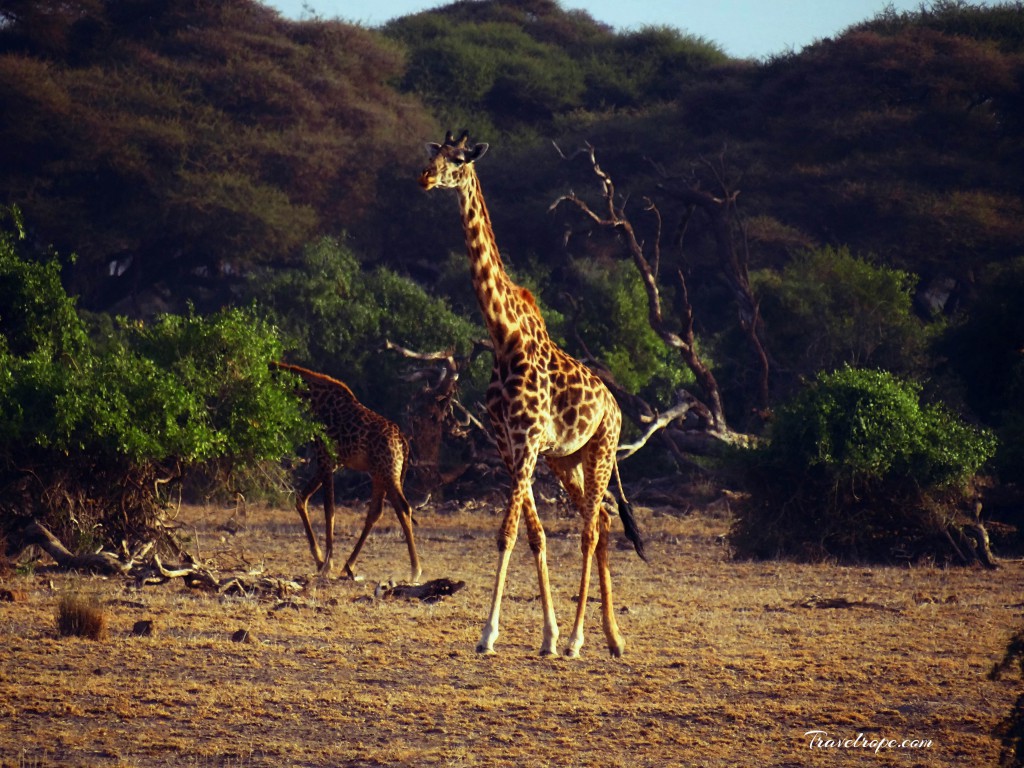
(88, 427)
(613, 321)
(858, 467)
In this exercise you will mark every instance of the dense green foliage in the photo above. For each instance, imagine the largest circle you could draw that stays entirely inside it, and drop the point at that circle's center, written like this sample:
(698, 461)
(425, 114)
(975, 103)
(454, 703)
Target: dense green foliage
(87, 428)
(613, 317)
(826, 308)
(858, 466)
(864, 426)
(206, 154)
(337, 318)
(515, 66)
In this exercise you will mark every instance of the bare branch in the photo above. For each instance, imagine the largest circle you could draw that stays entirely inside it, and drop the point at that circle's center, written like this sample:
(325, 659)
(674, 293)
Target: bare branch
(662, 420)
(683, 342)
(444, 355)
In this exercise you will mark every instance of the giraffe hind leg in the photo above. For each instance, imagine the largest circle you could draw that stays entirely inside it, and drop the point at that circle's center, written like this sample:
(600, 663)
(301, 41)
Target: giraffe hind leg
(373, 514)
(616, 644)
(586, 486)
(588, 543)
(569, 471)
(404, 513)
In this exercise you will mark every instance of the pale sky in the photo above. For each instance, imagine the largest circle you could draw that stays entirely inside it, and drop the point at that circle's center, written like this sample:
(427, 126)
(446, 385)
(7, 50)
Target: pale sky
(743, 28)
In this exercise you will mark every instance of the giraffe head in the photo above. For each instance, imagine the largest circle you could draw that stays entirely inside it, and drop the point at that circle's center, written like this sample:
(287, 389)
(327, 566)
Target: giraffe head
(449, 162)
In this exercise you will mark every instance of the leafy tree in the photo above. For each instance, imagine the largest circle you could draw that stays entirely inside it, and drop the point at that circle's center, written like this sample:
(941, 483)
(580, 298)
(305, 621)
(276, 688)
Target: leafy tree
(495, 69)
(901, 127)
(652, 64)
(623, 340)
(858, 467)
(827, 308)
(338, 318)
(87, 429)
(513, 66)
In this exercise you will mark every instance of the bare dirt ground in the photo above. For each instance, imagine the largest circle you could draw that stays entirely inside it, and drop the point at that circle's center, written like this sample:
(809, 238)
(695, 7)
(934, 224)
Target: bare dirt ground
(727, 663)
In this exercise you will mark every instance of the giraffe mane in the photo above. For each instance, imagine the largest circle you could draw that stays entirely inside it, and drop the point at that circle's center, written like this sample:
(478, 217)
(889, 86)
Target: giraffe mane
(531, 302)
(309, 375)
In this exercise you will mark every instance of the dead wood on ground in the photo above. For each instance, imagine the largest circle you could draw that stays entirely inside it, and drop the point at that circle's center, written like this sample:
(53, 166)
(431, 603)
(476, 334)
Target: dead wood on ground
(144, 567)
(431, 592)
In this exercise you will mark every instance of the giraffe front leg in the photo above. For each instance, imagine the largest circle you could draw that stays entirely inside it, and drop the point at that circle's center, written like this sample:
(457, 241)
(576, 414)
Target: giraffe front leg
(506, 542)
(404, 512)
(328, 562)
(538, 543)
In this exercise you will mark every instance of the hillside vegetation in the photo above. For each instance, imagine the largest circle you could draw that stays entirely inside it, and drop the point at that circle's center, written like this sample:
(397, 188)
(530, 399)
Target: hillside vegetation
(857, 202)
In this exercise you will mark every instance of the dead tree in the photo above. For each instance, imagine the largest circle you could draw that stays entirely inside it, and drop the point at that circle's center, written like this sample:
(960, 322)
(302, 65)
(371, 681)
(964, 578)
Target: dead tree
(709, 410)
(436, 415)
(720, 210)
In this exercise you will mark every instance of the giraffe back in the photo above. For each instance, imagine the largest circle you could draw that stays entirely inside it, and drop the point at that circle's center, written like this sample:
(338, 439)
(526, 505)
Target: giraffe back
(361, 439)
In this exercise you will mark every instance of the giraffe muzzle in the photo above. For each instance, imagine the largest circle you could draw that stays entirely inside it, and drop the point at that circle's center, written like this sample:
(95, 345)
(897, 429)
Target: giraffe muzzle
(427, 180)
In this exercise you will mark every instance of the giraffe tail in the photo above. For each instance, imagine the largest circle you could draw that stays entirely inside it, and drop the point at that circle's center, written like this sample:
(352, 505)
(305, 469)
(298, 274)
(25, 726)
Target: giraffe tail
(628, 520)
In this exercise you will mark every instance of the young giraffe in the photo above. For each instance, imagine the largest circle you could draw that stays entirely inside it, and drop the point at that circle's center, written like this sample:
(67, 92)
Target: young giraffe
(541, 402)
(361, 440)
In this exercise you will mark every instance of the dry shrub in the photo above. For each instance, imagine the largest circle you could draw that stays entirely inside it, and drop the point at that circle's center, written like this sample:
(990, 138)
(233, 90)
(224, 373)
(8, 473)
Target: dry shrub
(79, 616)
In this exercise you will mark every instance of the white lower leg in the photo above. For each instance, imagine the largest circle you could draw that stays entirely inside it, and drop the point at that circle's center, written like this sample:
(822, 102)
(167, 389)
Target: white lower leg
(490, 633)
(576, 638)
(550, 639)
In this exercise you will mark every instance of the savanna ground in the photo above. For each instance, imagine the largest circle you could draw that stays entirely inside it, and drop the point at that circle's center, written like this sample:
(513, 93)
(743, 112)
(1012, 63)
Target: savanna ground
(727, 663)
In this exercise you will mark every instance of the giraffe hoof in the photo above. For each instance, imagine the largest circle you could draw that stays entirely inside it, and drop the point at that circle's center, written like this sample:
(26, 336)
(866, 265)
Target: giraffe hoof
(484, 650)
(572, 653)
(351, 575)
(547, 653)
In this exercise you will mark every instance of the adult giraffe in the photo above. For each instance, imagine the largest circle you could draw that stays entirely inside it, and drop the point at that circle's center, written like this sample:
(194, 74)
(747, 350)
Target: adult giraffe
(541, 402)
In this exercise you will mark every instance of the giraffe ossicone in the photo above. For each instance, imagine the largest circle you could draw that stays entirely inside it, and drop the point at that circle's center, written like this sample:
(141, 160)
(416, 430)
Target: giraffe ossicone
(365, 441)
(541, 402)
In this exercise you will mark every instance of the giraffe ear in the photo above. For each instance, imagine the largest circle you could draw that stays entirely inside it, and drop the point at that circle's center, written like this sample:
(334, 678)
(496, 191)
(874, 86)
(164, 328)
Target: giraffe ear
(477, 152)
(432, 149)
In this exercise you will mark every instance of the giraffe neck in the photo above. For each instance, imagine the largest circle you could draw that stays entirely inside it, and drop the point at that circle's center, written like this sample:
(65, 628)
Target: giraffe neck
(495, 291)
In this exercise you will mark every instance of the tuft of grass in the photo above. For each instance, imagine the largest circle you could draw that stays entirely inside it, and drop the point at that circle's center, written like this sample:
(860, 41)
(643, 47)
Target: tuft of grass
(79, 616)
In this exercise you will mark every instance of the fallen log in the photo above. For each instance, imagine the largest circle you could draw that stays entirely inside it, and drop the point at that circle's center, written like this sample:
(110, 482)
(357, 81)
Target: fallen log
(145, 569)
(105, 563)
(431, 592)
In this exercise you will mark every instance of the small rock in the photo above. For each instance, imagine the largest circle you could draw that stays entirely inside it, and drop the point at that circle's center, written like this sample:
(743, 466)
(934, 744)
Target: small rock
(243, 636)
(143, 628)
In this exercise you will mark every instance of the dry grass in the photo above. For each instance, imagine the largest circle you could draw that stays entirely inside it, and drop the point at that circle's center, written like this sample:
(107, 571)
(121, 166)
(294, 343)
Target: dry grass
(727, 663)
(81, 616)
